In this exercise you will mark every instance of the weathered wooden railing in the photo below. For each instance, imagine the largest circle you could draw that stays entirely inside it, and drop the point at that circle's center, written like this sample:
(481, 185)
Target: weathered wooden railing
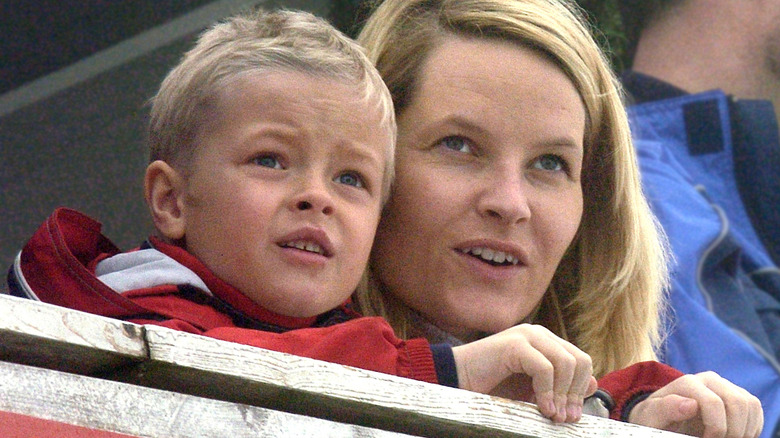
(66, 373)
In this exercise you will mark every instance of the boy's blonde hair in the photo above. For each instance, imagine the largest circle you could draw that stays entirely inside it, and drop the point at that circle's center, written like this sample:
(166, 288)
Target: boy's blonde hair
(608, 291)
(252, 43)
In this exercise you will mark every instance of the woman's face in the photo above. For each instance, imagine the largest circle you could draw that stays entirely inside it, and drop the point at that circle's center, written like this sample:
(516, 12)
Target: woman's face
(487, 196)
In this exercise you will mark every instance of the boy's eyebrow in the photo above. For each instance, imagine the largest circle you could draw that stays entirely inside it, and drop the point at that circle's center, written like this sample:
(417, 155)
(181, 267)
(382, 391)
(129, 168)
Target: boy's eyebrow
(278, 130)
(356, 151)
(365, 153)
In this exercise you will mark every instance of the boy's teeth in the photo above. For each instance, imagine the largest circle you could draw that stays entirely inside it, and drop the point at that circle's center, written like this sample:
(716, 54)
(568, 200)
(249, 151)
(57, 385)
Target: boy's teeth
(306, 246)
(492, 255)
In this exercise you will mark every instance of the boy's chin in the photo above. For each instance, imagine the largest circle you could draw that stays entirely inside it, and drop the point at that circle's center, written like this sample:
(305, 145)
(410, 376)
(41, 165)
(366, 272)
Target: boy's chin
(302, 308)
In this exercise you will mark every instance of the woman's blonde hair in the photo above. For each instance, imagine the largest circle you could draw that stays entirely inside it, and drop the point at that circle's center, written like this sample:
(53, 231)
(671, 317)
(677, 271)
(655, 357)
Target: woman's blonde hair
(607, 294)
(249, 43)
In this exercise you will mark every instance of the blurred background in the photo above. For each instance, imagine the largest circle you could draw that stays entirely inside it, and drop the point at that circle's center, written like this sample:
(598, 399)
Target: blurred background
(75, 77)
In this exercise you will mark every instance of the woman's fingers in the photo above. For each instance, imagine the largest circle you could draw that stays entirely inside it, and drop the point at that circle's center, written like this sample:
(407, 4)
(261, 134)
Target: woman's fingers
(666, 412)
(583, 384)
(704, 405)
(560, 373)
(527, 359)
(744, 415)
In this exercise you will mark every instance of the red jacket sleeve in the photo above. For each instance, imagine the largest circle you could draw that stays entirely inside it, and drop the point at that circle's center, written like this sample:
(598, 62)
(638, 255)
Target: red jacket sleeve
(367, 342)
(629, 386)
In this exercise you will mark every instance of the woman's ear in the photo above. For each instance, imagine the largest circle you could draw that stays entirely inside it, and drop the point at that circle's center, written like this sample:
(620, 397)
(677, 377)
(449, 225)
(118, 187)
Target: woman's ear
(164, 193)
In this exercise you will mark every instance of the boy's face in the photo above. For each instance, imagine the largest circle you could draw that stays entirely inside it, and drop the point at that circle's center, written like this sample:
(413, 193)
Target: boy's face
(284, 194)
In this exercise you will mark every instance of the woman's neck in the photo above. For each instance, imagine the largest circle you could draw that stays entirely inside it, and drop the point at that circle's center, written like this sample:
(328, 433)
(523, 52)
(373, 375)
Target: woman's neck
(421, 326)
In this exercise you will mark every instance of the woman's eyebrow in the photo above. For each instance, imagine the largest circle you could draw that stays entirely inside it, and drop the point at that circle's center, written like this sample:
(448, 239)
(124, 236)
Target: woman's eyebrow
(562, 142)
(464, 122)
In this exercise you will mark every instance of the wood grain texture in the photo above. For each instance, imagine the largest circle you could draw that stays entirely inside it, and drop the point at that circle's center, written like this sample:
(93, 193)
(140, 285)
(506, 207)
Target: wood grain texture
(113, 407)
(192, 367)
(41, 334)
(190, 363)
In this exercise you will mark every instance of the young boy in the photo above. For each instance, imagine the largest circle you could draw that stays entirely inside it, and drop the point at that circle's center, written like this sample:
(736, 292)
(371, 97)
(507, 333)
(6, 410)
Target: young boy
(271, 155)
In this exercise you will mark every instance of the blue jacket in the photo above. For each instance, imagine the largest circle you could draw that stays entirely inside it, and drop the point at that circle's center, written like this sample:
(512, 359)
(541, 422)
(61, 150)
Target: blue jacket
(711, 170)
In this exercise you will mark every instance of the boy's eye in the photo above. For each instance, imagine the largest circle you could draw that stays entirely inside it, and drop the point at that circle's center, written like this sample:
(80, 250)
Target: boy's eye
(267, 161)
(456, 143)
(550, 162)
(350, 179)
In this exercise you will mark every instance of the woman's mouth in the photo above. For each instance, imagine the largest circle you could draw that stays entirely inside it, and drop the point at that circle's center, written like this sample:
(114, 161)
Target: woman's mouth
(490, 256)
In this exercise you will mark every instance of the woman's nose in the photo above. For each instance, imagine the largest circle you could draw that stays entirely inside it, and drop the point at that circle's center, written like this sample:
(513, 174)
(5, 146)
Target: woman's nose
(505, 200)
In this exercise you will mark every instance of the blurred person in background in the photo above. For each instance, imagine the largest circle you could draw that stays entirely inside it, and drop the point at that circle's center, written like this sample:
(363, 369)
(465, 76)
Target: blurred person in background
(703, 82)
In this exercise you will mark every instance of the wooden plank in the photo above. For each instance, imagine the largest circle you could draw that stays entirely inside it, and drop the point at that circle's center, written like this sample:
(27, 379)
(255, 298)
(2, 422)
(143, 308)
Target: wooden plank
(54, 337)
(63, 339)
(227, 371)
(68, 403)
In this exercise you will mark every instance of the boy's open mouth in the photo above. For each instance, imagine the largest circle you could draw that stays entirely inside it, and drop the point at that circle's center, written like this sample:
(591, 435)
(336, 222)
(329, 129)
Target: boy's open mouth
(305, 246)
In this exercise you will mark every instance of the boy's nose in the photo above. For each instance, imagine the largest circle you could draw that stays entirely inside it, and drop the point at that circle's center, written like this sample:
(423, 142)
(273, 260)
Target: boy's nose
(313, 196)
(309, 205)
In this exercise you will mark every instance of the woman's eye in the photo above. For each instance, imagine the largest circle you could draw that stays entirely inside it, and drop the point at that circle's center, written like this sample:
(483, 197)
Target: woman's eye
(350, 179)
(456, 143)
(550, 162)
(267, 161)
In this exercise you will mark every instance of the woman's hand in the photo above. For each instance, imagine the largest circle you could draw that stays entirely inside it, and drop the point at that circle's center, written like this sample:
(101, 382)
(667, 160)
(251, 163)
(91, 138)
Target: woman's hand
(561, 375)
(704, 405)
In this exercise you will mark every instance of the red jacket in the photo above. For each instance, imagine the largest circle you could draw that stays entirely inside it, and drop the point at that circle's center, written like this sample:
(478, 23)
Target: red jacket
(58, 266)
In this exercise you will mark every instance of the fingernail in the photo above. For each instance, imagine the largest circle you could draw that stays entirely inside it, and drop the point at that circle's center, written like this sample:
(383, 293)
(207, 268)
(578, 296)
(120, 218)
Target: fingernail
(574, 412)
(550, 408)
(561, 416)
(547, 405)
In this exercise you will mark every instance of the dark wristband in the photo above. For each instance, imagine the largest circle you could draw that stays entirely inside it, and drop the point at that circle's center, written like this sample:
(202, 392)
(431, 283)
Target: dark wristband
(444, 361)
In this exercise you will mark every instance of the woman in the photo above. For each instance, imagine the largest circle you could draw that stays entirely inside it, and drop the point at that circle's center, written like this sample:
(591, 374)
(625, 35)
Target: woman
(517, 200)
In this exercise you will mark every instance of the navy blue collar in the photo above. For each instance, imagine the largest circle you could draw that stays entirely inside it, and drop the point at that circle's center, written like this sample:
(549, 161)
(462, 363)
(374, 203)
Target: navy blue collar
(643, 88)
